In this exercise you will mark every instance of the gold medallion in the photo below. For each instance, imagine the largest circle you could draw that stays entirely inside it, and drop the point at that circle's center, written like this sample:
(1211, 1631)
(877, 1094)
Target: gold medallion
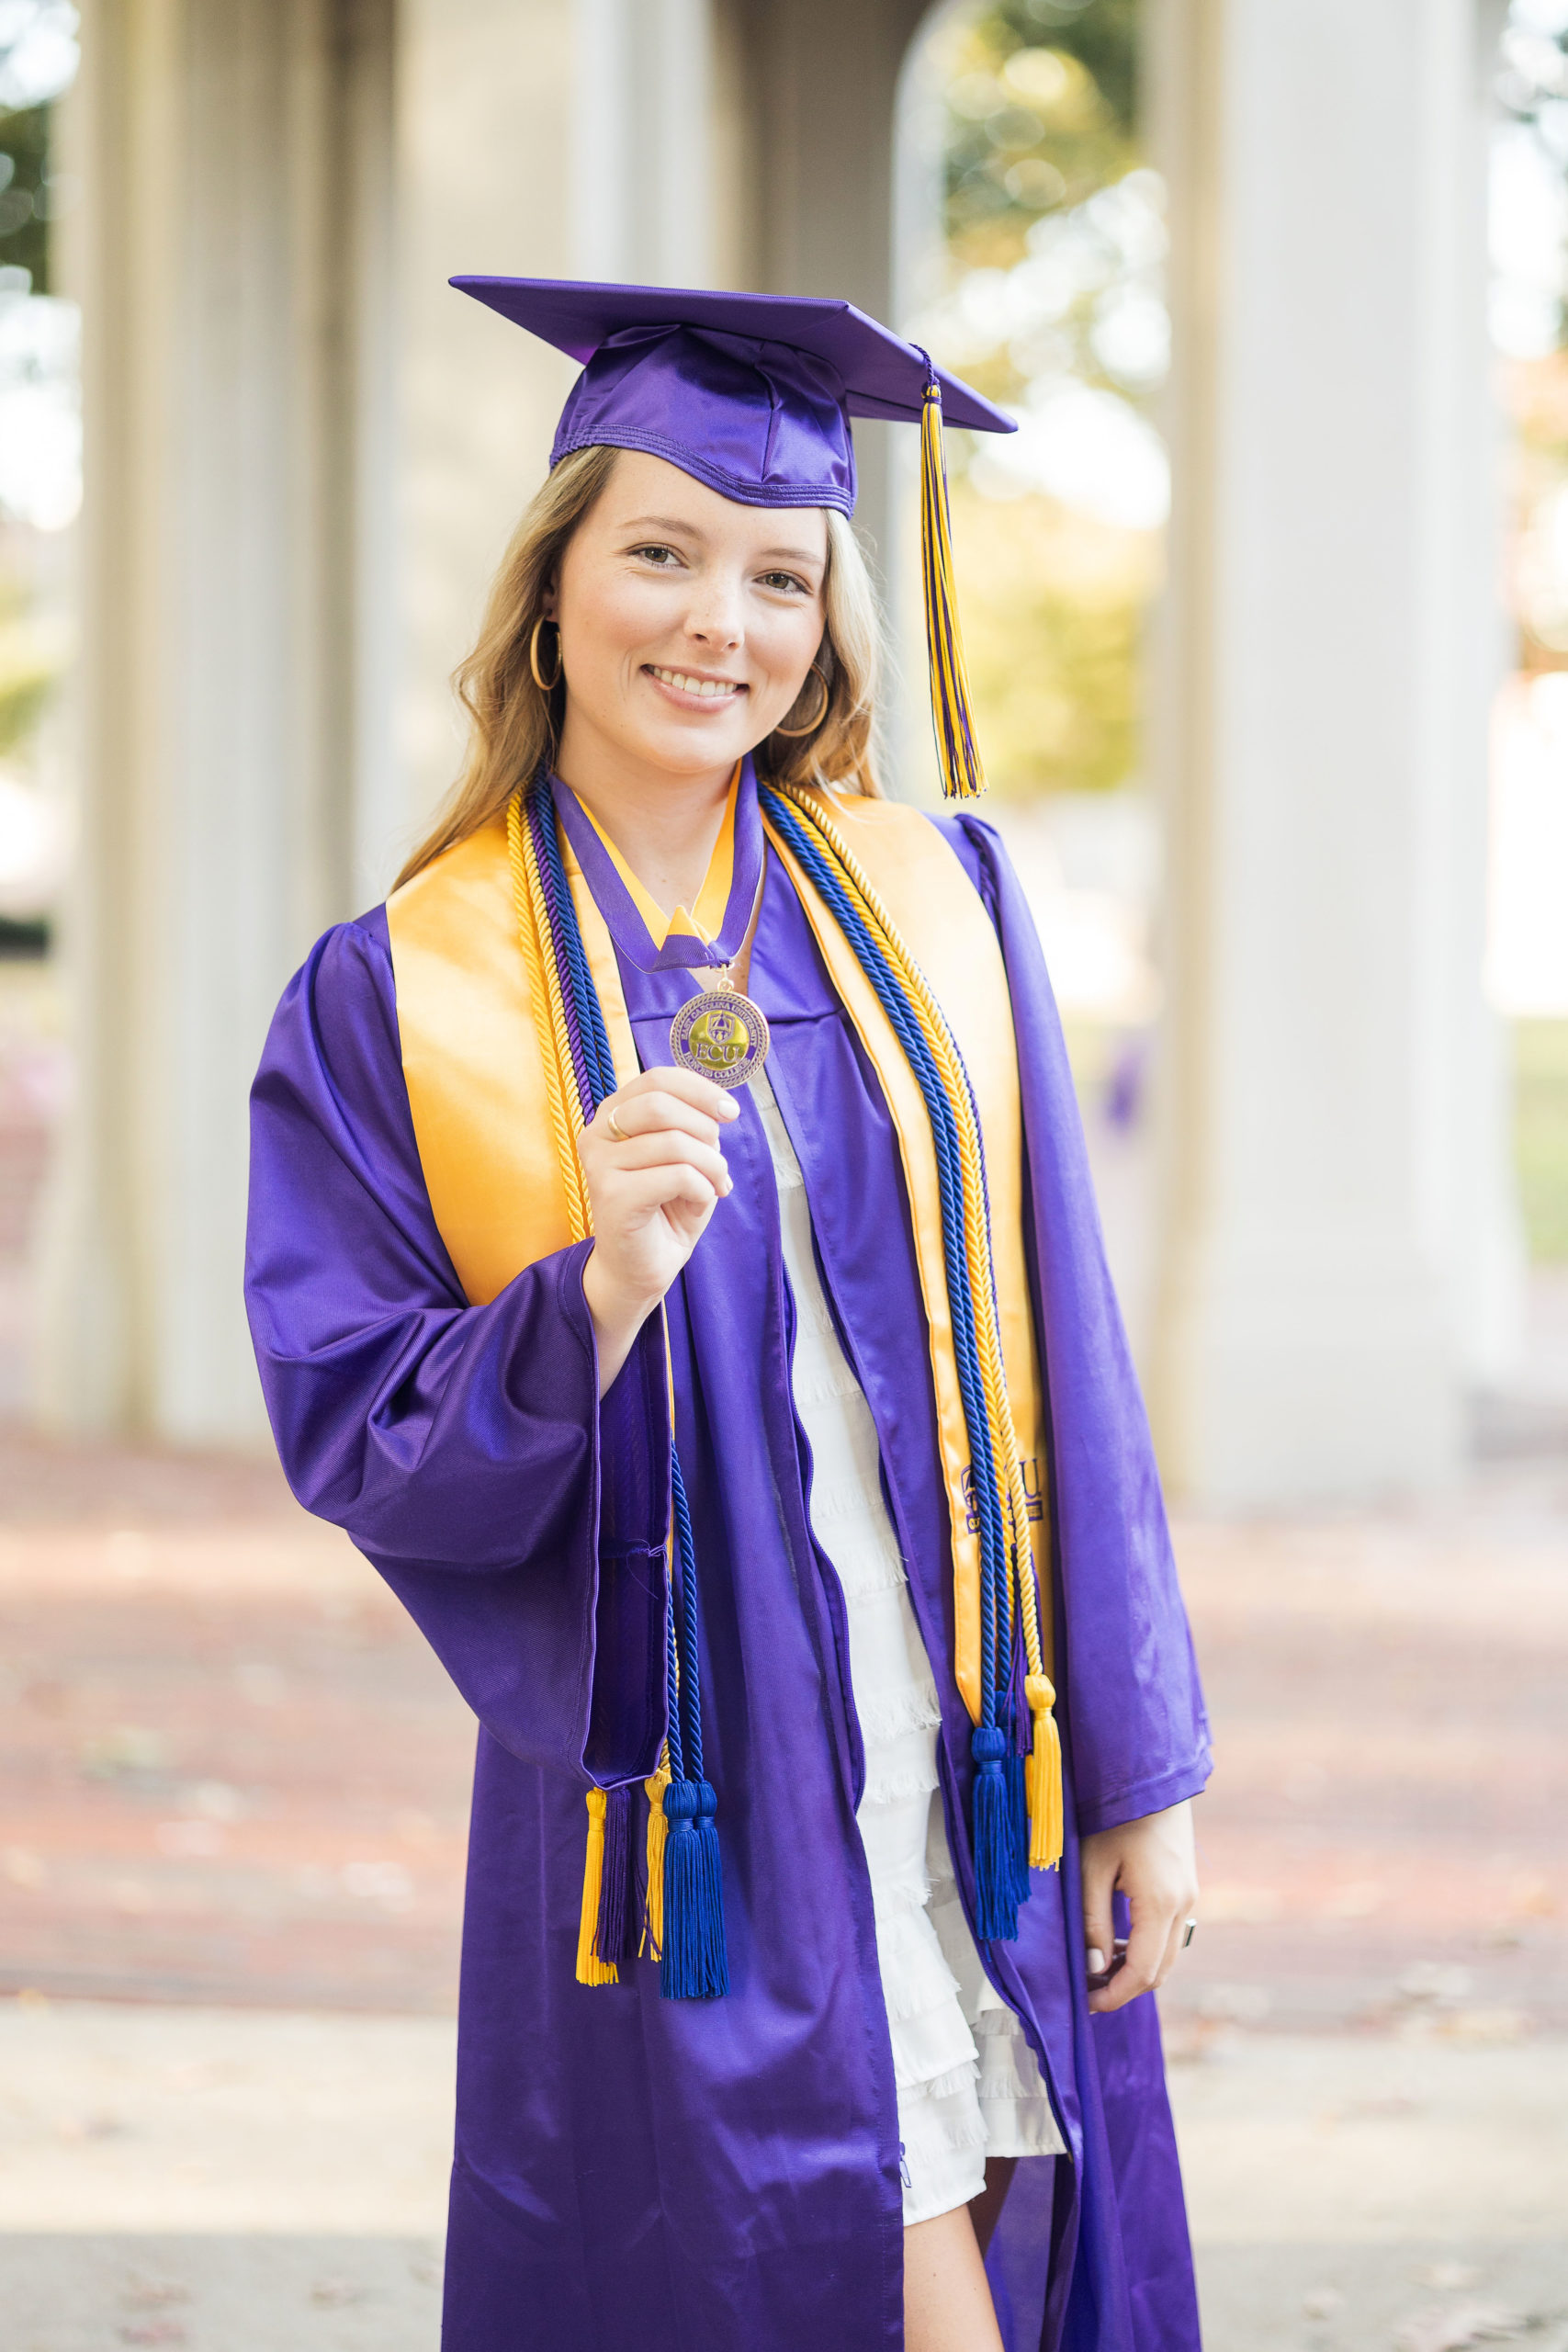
(722, 1035)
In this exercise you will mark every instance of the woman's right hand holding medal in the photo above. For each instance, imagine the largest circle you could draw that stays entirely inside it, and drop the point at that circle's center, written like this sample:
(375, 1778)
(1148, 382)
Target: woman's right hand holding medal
(655, 1174)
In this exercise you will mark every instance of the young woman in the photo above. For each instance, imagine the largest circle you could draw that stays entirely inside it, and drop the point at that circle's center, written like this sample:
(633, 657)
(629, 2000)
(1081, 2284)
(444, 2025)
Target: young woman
(673, 1260)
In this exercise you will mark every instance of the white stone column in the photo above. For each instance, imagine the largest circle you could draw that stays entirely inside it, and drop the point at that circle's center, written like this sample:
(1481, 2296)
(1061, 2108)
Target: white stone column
(1338, 1248)
(218, 773)
(642, 161)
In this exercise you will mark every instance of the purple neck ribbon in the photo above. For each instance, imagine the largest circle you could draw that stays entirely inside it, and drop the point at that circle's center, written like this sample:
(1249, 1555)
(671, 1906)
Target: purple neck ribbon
(712, 933)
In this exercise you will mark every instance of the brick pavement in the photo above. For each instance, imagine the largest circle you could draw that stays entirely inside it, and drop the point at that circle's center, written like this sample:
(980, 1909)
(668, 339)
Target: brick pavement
(1386, 1838)
(231, 1770)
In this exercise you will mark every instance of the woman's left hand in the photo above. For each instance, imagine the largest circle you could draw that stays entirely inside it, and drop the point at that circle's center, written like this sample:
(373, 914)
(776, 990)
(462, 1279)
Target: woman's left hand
(1153, 1863)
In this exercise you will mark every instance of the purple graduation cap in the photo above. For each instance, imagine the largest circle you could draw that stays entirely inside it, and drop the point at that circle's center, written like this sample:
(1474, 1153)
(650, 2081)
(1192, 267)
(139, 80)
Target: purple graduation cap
(753, 394)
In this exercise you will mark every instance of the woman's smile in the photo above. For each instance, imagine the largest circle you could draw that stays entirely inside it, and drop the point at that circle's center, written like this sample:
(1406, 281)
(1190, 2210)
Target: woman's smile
(687, 687)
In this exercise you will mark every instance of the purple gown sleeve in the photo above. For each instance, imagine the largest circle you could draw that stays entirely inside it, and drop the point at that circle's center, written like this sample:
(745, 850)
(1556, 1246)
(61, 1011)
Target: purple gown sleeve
(463, 1448)
(1132, 1705)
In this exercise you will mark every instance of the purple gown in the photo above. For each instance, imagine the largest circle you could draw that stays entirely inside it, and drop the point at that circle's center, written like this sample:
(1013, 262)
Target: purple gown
(702, 2177)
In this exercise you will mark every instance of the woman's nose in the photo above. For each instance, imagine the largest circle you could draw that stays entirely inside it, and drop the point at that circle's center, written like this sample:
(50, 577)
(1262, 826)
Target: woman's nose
(715, 615)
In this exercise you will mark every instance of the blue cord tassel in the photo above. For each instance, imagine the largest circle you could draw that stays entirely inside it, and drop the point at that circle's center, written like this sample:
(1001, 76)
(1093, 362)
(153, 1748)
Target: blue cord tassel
(693, 1965)
(693, 1962)
(995, 1887)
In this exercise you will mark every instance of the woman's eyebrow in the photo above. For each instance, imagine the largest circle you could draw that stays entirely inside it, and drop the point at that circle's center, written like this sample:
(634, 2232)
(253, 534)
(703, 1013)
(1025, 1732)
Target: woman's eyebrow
(805, 557)
(670, 523)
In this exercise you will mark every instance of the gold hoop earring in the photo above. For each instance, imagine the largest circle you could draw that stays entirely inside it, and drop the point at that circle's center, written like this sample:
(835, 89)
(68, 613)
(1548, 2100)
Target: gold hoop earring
(812, 724)
(544, 684)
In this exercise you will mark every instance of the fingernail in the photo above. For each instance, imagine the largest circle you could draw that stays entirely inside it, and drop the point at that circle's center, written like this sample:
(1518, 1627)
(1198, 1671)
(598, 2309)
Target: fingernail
(729, 1110)
(1096, 1961)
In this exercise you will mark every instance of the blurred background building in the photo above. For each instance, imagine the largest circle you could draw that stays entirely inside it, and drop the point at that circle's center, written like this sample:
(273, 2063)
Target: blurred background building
(1267, 605)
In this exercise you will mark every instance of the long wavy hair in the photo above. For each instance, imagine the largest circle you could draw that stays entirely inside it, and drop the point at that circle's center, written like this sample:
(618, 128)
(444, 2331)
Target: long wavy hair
(513, 725)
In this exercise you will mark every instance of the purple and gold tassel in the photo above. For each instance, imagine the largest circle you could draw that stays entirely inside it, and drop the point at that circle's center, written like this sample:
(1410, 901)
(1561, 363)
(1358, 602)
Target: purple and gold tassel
(615, 1939)
(963, 777)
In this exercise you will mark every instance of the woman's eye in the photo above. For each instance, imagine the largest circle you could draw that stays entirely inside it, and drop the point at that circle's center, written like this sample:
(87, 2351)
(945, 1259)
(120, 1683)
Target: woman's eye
(784, 583)
(663, 557)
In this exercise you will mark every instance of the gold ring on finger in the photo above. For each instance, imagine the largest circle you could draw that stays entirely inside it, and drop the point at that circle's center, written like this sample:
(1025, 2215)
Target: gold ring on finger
(616, 1129)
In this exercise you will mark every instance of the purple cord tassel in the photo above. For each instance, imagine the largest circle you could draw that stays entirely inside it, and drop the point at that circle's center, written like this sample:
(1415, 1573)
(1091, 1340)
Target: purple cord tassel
(612, 1940)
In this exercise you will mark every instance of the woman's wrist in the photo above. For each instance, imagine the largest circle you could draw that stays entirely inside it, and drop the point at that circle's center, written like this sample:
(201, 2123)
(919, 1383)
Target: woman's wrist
(617, 1316)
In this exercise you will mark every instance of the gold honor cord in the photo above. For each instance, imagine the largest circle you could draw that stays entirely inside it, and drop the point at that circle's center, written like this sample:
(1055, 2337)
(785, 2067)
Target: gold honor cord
(1044, 1778)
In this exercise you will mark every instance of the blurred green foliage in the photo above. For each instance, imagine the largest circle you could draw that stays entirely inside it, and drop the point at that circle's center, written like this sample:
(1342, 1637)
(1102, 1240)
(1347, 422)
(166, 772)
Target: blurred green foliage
(1042, 99)
(1533, 69)
(1535, 395)
(1541, 1134)
(1053, 607)
(32, 660)
(1040, 113)
(31, 651)
(28, 195)
(28, 672)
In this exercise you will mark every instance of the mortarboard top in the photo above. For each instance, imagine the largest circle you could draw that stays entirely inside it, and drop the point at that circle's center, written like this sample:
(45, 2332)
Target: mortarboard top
(882, 375)
(753, 394)
(749, 392)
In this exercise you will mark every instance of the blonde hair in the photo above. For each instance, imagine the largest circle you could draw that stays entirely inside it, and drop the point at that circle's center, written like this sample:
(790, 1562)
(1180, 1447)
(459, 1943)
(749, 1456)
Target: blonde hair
(513, 724)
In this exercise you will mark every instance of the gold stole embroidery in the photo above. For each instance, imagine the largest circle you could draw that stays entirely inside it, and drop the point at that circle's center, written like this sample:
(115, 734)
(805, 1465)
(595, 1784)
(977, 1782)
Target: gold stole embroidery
(477, 1094)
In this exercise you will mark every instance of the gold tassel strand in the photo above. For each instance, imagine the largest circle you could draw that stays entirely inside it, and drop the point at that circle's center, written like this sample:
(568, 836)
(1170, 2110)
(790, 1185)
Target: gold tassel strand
(657, 1830)
(1042, 1776)
(591, 1969)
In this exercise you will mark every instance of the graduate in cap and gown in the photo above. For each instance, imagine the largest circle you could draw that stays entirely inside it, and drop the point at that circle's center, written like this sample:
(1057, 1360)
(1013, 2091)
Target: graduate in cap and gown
(673, 1260)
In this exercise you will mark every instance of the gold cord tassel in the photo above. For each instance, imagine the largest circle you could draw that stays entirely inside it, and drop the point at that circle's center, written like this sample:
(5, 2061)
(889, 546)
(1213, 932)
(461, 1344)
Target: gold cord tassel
(591, 1969)
(653, 1918)
(963, 777)
(1042, 1776)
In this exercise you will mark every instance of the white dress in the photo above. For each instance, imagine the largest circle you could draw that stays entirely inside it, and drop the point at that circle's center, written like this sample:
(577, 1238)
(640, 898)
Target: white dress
(967, 2081)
